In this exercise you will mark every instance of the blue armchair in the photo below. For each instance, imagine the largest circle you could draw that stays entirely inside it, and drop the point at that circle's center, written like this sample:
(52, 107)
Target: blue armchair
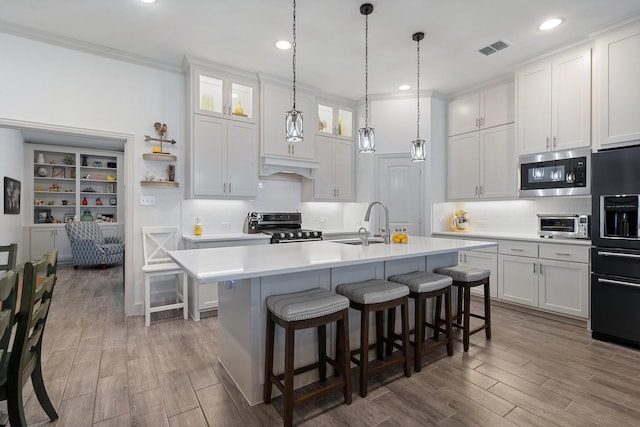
(90, 247)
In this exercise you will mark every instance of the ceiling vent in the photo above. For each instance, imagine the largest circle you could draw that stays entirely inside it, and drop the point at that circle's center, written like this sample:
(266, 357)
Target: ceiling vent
(493, 47)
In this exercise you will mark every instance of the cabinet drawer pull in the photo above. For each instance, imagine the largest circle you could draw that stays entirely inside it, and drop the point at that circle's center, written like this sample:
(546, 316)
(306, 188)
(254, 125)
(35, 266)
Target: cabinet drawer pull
(616, 254)
(517, 250)
(563, 253)
(618, 282)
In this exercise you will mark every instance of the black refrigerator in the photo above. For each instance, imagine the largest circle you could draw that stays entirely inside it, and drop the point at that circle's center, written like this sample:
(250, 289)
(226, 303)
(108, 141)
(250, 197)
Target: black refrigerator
(615, 255)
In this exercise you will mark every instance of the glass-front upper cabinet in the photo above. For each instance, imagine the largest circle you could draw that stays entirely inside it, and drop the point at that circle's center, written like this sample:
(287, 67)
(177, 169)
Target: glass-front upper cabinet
(225, 96)
(335, 121)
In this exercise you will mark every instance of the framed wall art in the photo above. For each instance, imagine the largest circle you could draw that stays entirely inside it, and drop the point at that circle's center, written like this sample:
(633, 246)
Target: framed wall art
(11, 196)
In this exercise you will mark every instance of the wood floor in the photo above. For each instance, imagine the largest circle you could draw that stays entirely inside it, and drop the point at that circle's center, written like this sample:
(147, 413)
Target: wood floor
(104, 369)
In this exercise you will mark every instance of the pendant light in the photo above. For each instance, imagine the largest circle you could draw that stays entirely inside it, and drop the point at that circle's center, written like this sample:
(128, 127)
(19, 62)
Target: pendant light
(366, 135)
(418, 146)
(294, 117)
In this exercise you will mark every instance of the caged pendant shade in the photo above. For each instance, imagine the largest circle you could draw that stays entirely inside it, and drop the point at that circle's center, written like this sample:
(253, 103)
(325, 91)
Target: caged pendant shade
(293, 119)
(366, 135)
(418, 146)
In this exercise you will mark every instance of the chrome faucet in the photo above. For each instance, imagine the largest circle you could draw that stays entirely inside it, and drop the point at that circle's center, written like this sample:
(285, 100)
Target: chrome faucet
(387, 234)
(362, 234)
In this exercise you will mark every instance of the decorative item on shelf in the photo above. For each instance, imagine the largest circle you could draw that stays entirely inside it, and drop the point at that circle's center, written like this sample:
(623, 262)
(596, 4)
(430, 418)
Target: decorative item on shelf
(69, 160)
(51, 203)
(171, 172)
(83, 159)
(156, 149)
(73, 174)
(85, 202)
(197, 230)
(50, 219)
(38, 202)
(150, 176)
(99, 176)
(113, 201)
(112, 165)
(88, 190)
(99, 202)
(65, 202)
(57, 172)
(293, 117)
(87, 176)
(42, 172)
(55, 187)
(239, 109)
(206, 103)
(40, 158)
(418, 146)
(53, 162)
(68, 217)
(461, 220)
(322, 125)
(97, 164)
(110, 178)
(86, 216)
(41, 215)
(38, 187)
(161, 130)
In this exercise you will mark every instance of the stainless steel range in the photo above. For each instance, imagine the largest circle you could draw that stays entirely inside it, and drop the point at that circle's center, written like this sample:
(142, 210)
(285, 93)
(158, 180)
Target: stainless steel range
(282, 227)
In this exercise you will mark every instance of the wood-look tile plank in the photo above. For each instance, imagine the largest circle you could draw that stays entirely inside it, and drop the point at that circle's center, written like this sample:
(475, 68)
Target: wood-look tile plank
(604, 417)
(192, 418)
(410, 411)
(147, 408)
(142, 375)
(120, 421)
(219, 409)
(112, 397)
(469, 413)
(82, 379)
(178, 392)
(76, 412)
(113, 362)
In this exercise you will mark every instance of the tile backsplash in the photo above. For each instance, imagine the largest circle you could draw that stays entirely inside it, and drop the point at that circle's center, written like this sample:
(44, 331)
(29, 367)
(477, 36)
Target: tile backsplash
(508, 216)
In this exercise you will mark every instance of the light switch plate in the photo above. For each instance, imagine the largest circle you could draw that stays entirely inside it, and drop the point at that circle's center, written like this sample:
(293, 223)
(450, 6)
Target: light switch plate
(147, 200)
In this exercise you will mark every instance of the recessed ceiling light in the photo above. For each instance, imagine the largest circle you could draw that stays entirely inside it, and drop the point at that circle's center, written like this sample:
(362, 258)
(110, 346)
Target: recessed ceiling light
(148, 1)
(550, 24)
(404, 87)
(283, 44)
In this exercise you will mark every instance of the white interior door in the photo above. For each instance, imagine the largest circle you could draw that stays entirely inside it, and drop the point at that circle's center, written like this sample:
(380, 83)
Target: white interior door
(400, 189)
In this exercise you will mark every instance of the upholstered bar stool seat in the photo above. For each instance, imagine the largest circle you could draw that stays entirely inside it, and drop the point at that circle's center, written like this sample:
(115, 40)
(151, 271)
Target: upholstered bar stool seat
(377, 296)
(302, 310)
(465, 278)
(422, 286)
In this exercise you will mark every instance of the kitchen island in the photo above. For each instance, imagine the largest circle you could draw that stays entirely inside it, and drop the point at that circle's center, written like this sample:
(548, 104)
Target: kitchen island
(247, 275)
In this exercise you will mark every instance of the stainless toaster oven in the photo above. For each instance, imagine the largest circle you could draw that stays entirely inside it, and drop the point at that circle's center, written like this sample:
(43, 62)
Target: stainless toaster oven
(567, 226)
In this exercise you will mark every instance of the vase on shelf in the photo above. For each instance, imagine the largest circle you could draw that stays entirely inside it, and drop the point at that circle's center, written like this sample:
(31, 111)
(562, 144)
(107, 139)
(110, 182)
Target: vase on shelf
(40, 158)
(84, 159)
(86, 216)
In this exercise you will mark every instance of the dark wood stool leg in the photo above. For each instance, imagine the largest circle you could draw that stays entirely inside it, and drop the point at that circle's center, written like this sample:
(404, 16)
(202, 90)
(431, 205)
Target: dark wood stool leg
(437, 319)
(380, 335)
(448, 320)
(345, 363)
(487, 309)
(404, 311)
(418, 338)
(364, 351)
(288, 375)
(322, 352)
(467, 307)
(268, 364)
(459, 314)
(391, 329)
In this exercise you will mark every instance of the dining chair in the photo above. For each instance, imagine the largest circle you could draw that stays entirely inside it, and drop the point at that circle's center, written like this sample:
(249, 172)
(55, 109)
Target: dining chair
(12, 253)
(156, 242)
(26, 355)
(8, 291)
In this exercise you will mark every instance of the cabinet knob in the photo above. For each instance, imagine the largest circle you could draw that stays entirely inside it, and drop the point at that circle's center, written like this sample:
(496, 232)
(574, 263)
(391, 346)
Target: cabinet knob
(534, 267)
(547, 143)
(229, 188)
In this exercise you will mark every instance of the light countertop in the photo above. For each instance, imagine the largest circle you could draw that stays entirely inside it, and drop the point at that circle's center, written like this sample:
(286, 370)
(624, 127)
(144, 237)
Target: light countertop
(225, 237)
(243, 262)
(511, 236)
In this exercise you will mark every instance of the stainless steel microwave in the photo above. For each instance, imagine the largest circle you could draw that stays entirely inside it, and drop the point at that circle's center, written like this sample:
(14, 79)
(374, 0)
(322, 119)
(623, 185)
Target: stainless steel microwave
(556, 173)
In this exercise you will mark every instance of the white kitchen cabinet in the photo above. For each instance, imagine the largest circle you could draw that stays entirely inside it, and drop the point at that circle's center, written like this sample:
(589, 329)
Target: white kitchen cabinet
(335, 119)
(482, 259)
(490, 107)
(224, 95)
(224, 157)
(557, 280)
(564, 279)
(45, 238)
(618, 84)
(482, 164)
(277, 155)
(334, 179)
(554, 104)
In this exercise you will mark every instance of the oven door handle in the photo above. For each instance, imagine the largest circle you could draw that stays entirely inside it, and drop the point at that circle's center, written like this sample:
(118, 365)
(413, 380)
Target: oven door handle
(617, 254)
(618, 282)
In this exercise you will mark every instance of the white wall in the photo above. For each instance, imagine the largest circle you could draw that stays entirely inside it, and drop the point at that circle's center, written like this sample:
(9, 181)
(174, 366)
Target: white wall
(11, 166)
(42, 83)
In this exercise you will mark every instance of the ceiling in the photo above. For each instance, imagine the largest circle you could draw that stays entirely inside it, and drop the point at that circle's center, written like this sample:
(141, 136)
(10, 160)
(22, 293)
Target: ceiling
(330, 35)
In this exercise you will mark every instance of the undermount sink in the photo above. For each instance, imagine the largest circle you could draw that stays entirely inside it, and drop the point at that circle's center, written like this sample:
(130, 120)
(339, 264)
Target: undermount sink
(355, 242)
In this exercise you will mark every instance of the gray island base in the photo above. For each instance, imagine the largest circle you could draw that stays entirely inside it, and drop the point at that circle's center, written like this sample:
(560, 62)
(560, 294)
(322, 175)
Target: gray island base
(247, 275)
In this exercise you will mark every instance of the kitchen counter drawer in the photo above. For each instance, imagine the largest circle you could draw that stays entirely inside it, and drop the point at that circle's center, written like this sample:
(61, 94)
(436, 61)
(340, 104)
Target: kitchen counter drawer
(518, 249)
(564, 252)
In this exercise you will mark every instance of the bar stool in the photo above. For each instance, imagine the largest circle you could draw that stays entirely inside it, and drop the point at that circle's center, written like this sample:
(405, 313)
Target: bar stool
(465, 278)
(376, 296)
(302, 310)
(422, 286)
